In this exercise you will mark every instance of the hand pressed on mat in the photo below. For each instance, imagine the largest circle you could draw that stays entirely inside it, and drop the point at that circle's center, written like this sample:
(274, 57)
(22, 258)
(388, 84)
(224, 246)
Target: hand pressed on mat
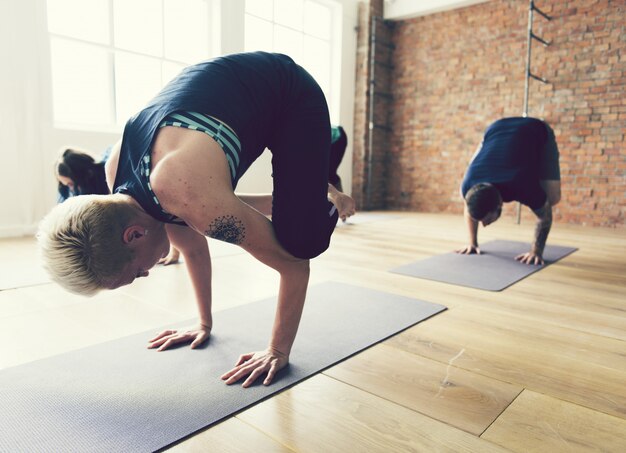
(469, 250)
(254, 364)
(167, 338)
(530, 258)
(172, 257)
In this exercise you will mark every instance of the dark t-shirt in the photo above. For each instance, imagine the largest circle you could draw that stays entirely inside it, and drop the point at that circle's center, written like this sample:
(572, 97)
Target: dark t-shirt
(509, 158)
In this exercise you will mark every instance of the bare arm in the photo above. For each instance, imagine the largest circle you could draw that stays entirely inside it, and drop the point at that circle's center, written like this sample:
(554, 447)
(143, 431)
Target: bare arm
(110, 168)
(238, 223)
(472, 225)
(263, 203)
(195, 249)
(472, 229)
(172, 257)
(260, 202)
(542, 229)
(208, 205)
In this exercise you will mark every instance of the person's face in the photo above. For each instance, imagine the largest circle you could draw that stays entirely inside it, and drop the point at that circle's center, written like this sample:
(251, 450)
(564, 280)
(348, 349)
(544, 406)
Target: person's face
(67, 182)
(149, 248)
(492, 216)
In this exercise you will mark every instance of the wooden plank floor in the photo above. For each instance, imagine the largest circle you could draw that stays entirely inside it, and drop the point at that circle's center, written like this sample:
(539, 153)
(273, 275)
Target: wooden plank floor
(540, 366)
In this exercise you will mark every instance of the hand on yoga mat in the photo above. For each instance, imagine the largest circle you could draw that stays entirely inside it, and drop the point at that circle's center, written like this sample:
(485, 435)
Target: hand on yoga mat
(172, 257)
(469, 250)
(167, 338)
(530, 258)
(254, 364)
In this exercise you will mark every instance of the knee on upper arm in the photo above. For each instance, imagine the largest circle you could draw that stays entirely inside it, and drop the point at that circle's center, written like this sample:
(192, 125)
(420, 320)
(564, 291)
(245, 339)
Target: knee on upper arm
(305, 237)
(305, 249)
(552, 188)
(554, 199)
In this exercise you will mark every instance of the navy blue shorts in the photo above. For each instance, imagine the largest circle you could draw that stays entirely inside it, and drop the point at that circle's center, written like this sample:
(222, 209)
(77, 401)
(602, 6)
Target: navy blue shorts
(549, 168)
(303, 218)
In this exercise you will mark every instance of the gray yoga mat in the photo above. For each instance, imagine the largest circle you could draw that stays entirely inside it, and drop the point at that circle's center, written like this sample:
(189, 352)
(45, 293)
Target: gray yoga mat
(120, 396)
(494, 269)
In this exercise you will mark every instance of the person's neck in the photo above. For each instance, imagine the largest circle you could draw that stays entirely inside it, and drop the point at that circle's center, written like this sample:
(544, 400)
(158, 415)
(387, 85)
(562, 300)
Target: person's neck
(128, 199)
(141, 213)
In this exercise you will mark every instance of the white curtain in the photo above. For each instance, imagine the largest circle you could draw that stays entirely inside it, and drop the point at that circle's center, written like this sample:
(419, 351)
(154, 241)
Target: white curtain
(23, 102)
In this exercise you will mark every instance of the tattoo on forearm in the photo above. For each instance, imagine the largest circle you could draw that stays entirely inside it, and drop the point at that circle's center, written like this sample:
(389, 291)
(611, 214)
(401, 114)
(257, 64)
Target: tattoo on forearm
(227, 229)
(541, 232)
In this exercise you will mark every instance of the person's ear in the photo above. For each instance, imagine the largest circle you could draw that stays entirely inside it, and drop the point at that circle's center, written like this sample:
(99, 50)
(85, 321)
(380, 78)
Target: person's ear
(133, 233)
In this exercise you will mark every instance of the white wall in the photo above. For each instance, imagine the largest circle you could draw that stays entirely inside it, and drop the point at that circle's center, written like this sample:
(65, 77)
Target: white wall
(29, 142)
(405, 9)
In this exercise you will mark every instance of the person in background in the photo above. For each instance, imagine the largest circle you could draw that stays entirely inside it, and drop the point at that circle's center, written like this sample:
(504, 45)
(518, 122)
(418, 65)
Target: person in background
(78, 173)
(518, 160)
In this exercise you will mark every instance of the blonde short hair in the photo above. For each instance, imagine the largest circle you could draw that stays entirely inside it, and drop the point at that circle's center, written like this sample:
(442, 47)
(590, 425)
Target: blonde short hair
(81, 242)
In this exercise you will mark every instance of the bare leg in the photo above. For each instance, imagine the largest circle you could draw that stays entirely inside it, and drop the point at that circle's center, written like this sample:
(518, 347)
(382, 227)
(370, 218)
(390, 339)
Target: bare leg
(344, 203)
(552, 188)
(260, 202)
(263, 203)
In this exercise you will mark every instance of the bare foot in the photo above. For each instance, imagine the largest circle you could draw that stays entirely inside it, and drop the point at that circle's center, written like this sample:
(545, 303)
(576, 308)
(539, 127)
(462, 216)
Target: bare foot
(345, 204)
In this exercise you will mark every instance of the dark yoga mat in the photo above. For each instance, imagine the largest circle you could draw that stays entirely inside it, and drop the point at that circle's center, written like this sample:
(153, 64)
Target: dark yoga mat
(121, 397)
(493, 270)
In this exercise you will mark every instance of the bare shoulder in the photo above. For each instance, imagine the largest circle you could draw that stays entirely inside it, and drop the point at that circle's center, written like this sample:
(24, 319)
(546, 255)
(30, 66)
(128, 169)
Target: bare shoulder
(189, 174)
(110, 167)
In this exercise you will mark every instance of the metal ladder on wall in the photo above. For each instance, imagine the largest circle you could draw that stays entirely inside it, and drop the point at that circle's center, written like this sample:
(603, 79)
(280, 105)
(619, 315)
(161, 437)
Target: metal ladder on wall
(372, 92)
(529, 75)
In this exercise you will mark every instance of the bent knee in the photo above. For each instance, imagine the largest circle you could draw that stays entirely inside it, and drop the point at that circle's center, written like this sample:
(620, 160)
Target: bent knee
(552, 188)
(303, 249)
(554, 196)
(306, 240)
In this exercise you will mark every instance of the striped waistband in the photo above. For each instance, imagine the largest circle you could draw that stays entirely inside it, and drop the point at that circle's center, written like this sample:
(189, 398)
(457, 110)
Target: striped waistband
(218, 131)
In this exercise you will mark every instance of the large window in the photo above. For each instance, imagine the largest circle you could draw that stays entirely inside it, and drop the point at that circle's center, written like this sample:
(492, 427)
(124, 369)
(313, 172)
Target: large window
(301, 29)
(109, 57)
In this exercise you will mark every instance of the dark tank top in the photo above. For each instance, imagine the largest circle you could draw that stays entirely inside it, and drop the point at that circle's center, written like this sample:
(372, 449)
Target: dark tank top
(248, 92)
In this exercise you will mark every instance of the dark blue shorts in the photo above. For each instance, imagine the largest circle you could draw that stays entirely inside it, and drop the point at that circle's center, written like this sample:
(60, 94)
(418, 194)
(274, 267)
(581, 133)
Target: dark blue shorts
(302, 216)
(549, 168)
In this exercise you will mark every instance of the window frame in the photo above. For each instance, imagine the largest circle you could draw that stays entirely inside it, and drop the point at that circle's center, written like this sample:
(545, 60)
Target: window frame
(334, 42)
(114, 124)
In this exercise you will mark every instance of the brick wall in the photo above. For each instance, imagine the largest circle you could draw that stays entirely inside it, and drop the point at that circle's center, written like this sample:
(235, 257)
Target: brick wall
(457, 71)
